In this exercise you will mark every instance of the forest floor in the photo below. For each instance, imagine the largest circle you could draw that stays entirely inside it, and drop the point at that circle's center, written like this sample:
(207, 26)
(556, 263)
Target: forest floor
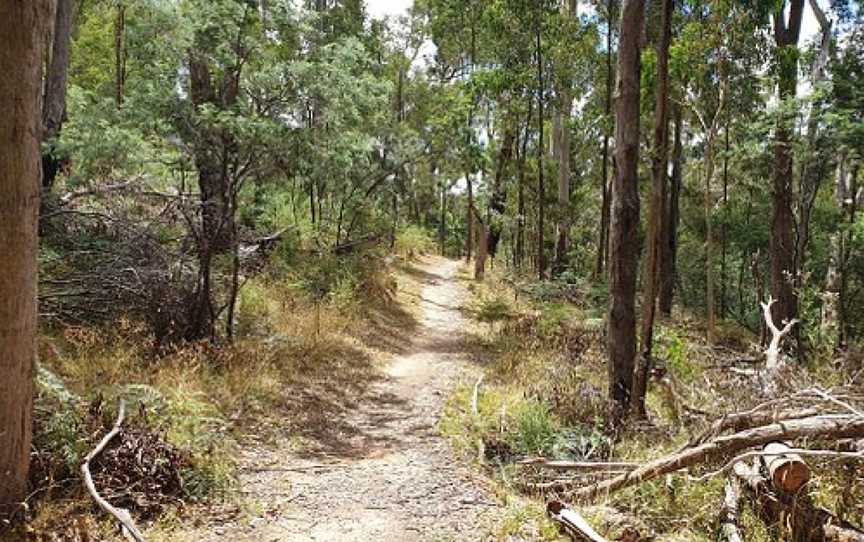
(379, 469)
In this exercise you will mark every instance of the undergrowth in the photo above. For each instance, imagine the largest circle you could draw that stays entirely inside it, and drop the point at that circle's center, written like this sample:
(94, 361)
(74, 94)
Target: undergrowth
(542, 350)
(193, 405)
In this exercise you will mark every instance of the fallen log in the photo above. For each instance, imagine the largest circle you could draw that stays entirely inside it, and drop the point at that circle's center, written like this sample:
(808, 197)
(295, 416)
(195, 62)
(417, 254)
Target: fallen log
(120, 514)
(828, 427)
(729, 513)
(794, 515)
(573, 522)
(739, 421)
(834, 454)
(787, 470)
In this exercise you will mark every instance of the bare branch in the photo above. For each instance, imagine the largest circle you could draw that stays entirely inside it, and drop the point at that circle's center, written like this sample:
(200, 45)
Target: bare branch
(122, 515)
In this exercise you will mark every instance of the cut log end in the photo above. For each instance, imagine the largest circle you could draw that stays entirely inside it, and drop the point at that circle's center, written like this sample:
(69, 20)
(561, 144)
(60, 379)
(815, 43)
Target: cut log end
(791, 475)
(788, 471)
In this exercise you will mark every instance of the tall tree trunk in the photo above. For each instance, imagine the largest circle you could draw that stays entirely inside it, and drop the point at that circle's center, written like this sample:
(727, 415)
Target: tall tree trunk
(852, 205)
(561, 142)
(814, 166)
(520, 203)
(831, 324)
(782, 244)
(54, 101)
(655, 217)
(624, 226)
(498, 200)
(603, 237)
(669, 246)
(469, 219)
(482, 249)
(723, 232)
(22, 25)
(442, 224)
(213, 150)
(541, 187)
(120, 53)
(708, 200)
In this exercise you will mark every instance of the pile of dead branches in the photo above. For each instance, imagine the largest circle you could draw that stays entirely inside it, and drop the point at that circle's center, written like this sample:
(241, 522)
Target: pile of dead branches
(763, 449)
(140, 471)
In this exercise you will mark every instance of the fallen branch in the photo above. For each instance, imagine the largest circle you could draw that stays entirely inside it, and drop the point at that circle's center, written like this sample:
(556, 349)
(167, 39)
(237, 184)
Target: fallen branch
(740, 421)
(828, 426)
(122, 515)
(589, 466)
(573, 522)
(824, 395)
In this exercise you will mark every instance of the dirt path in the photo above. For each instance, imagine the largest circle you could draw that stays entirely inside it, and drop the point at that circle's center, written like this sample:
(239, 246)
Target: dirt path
(392, 477)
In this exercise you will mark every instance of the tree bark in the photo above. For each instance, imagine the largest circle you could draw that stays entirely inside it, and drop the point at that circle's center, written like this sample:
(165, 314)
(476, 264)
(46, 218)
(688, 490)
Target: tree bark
(561, 140)
(499, 190)
(541, 187)
(54, 101)
(723, 232)
(469, 219)
(603, 237)
(669, 246)
(442, 224)
(710, 300)
(119, 53)
(655, 217)
(22, 25)
(831, 323)
(520, 204)
(213, 151)
(782, 244)
(624, 226)
(482, 251)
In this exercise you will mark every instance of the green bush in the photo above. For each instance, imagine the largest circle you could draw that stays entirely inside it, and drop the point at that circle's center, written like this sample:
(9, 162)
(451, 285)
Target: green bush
(493, 309)
(672, 347)
(535, 428)
(414, 241)
(59, 431)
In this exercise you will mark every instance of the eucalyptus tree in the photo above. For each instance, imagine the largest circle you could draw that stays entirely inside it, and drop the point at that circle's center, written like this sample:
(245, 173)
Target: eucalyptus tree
(22, 27)
(54, 97)
(787, 30)
(659, 168)
(840, 322)
(624, 224)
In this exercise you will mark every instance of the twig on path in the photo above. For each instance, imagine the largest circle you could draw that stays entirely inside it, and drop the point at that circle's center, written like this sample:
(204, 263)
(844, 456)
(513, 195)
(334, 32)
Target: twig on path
(306, 468)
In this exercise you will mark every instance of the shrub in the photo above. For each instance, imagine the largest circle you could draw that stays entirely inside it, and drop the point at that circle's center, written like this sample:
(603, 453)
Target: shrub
(493, 309)
(414, 241)
(58, 437)
(535, 428)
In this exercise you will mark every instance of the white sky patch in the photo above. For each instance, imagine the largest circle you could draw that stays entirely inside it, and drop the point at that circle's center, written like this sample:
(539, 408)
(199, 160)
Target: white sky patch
(382, 8)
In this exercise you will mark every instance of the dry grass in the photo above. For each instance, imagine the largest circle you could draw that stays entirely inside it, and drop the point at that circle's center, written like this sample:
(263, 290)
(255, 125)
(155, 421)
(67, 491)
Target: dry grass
(532, 358)
(294, 363)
